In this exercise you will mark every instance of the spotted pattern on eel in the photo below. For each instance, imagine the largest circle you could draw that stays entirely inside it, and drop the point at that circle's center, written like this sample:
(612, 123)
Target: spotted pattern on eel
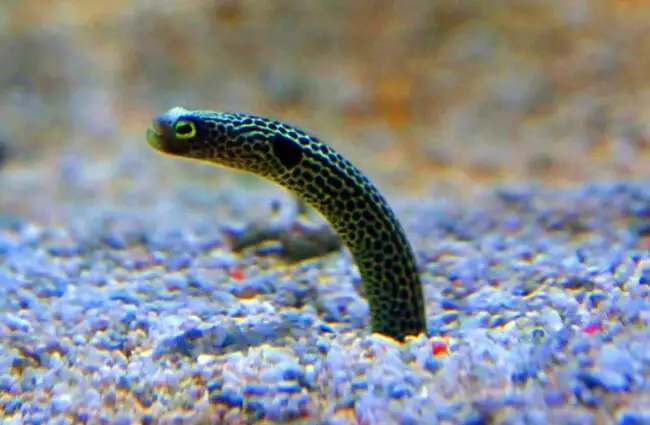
(325, 180)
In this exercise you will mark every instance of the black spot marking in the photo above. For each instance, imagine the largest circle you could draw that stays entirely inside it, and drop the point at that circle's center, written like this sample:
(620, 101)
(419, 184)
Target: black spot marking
(310, 165)
(335, 183)
(308, 177)
(319, 161)
(286, 150)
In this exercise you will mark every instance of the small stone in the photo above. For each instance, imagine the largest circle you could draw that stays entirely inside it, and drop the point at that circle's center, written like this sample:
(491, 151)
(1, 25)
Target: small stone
(432, 364)
(254, 389)
(228, 396)
(632, 418)
(200, 283)
(588, 398)
(444, 319)
(497, 321)
(579, 346)
(12, 406)
(324, 327)
(176, 262)
(406, 418)
(192, 334)
(113, 242)
(554, 398)
(451, 304)
(221, 260)
(82, 416)
(35, 419)
(399, 390)
(147, 419)
(54, 289)
(110, 398)
(122, 419)
(309, 359)
(99, 324)
(519, 376)
(125, 297)
(585, 362)
(291, 371)
(606, 380)
(123, 383)
(323, 346)
(16, 323)
(297, 318)
(595, 298)
(359, 385)
(255, 409)
(64, 251)
(613, 358)
(175, 282)
(277, 409)
(288, 387)
(256, 285)
(209, 243)
(474, 418)
(60, 404)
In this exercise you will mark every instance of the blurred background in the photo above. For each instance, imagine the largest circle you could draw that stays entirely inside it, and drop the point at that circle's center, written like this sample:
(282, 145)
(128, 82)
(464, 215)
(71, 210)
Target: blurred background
(424, 95)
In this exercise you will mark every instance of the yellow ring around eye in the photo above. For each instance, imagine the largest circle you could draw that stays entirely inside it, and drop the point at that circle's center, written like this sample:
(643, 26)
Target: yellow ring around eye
(185, 129)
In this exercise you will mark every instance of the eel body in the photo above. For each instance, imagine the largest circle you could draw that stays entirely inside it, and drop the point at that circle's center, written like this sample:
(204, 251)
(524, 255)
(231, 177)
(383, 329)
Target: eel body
(325, 180)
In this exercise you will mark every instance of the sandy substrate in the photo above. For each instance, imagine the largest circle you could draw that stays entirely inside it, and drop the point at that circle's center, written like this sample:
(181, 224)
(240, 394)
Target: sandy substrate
(128, 306)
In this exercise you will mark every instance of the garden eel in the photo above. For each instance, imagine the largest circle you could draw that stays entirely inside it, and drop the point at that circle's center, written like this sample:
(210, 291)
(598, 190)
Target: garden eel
(325, 180)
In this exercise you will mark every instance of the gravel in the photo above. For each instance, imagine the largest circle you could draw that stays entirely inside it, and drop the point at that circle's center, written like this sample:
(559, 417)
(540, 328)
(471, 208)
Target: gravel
(119, 312)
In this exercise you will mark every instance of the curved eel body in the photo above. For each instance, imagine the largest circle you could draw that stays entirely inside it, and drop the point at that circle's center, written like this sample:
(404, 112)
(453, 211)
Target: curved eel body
(321, 177)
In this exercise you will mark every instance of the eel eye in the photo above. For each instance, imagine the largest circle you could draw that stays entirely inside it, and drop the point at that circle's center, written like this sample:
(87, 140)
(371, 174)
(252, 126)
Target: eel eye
(185, 129)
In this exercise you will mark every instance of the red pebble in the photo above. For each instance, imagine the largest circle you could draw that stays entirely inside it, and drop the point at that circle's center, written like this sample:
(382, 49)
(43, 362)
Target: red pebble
(439, 348)
(237, 274)
(592, 328)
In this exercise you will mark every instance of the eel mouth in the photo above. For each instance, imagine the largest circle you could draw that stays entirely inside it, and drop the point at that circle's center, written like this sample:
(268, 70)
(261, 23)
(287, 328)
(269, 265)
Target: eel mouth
(160, 138)
(155, 138)
(160, 134)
